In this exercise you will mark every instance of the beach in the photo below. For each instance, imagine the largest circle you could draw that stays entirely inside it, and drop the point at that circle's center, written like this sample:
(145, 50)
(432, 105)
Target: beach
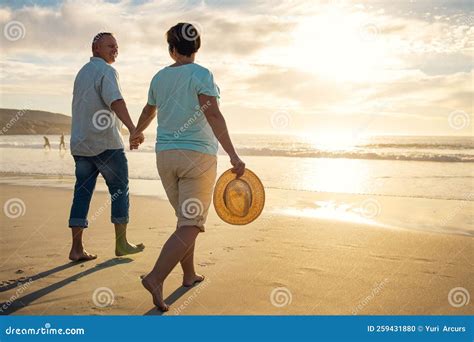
(384, 227)
(308, 166)
(280, 264)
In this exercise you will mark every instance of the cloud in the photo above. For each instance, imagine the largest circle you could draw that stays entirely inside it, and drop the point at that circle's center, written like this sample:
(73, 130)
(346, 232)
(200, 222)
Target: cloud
(72, 25)
(265, 55)
(296, 88)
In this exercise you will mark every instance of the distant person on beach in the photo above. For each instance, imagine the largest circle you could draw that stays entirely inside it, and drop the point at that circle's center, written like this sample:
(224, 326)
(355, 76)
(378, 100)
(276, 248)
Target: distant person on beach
(62, 144)
(190, 125)
(46, 143)
(97, 146)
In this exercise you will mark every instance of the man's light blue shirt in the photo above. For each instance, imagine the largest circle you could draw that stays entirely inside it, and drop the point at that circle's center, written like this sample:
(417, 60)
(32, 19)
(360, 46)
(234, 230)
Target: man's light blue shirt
(95, 127)
(181, 122)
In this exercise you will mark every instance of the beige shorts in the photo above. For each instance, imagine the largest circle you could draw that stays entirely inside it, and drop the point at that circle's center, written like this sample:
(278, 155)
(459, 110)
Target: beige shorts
(188, 178)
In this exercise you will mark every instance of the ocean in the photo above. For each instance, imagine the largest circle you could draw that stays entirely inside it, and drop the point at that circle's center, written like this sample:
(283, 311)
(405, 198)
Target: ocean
(403, 168)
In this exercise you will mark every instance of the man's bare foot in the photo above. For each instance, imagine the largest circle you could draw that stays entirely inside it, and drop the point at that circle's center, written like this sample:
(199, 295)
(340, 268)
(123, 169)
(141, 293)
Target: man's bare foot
(128, 248)
(81, 255)
(192, 280)
(156, 290)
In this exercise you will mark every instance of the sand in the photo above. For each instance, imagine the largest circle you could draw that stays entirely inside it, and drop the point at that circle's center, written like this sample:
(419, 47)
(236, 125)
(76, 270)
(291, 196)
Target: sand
(277, 265)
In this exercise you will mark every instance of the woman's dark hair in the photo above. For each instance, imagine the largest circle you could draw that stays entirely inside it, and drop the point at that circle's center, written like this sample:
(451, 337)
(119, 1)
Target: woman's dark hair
(185, 38)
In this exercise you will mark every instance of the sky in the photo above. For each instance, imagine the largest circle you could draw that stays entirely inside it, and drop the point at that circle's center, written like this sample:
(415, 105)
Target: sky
(334, 68)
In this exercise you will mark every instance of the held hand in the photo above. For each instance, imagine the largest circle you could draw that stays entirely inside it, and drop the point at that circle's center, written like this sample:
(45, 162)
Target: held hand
(238, 165)
(136, 138)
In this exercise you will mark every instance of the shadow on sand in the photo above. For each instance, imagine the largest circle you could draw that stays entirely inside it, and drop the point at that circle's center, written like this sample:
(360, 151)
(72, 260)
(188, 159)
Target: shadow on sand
(179, 292)
(23, 280)
(18, 303)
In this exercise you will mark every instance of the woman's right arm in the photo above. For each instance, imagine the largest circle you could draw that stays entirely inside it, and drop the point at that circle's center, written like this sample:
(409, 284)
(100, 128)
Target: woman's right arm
(210, 108)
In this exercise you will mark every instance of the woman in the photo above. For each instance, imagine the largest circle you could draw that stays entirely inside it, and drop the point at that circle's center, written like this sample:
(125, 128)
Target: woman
(190, 126)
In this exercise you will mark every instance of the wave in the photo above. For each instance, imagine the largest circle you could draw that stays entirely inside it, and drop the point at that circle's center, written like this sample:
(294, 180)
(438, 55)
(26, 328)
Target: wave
(438, 146)
(372, 153)
(358, 154)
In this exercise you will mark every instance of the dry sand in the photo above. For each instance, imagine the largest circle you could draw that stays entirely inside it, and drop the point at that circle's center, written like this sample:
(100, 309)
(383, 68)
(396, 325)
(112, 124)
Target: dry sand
(276, 265)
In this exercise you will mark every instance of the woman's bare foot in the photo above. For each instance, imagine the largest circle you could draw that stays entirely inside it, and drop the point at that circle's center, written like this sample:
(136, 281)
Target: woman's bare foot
(81, 255)
(122, 249)
(189, 281)
(156, 290)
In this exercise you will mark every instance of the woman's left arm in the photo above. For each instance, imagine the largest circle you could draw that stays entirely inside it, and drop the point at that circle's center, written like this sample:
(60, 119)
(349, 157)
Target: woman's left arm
(147, 116)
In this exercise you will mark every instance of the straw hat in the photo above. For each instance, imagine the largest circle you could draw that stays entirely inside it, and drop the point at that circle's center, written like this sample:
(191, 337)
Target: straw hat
(239, 200)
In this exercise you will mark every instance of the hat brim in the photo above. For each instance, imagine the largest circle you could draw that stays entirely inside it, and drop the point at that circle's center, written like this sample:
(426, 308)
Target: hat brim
(258, 197)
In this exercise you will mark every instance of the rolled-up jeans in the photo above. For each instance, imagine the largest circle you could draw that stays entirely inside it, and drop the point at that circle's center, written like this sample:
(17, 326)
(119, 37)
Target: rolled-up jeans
(113, 166)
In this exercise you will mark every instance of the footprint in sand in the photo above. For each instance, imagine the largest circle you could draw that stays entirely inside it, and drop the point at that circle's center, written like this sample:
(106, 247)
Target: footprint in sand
(423, 260)
(306, 270)
(387, 257)
(206, 263)
(276, 255)
(349, 246)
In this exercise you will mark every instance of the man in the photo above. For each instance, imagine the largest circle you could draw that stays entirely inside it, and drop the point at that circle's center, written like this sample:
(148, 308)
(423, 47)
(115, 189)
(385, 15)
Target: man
(97, 147)
(46, 143)
(62, 143)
